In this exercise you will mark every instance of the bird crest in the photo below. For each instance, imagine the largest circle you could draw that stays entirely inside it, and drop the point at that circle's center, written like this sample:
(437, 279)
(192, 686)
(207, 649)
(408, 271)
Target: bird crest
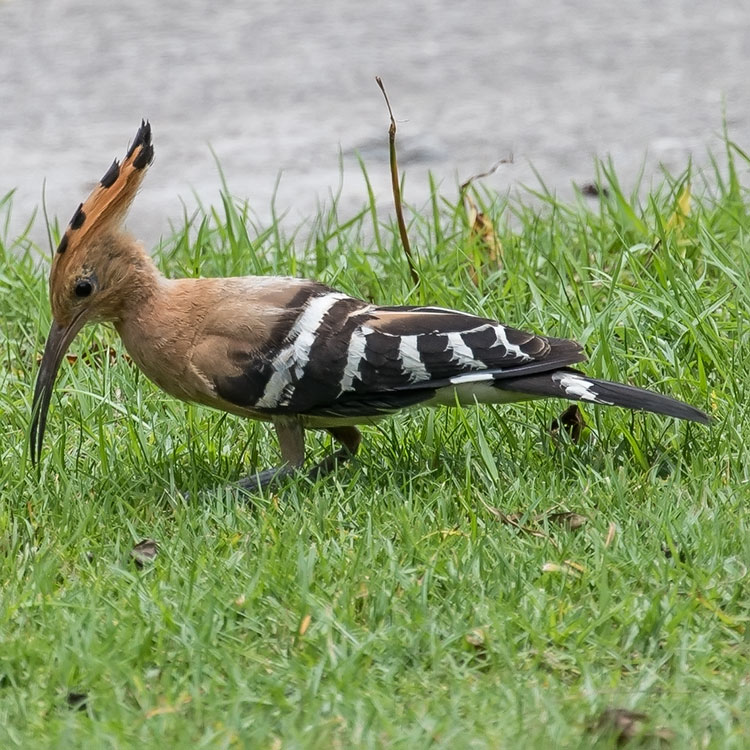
(106, 206)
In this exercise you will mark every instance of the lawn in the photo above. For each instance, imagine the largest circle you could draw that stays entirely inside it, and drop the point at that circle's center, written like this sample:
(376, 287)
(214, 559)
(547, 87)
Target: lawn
(433, 593)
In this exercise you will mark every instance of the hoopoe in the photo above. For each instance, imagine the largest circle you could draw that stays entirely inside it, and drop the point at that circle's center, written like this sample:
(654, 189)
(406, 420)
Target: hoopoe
(289, 351)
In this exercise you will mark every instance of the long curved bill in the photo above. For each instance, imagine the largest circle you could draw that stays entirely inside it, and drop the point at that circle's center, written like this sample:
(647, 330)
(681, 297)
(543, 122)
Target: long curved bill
(57, 344)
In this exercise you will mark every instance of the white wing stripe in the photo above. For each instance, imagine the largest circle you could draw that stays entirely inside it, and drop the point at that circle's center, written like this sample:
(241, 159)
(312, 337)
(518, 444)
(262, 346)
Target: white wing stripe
(513, 349)
(354, 355)
(294, 357)
(463, 354)
(411, 360)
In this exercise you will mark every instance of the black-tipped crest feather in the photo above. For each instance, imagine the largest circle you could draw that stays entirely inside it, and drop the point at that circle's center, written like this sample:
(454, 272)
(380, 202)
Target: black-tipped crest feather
(142, 140)
(110, 176)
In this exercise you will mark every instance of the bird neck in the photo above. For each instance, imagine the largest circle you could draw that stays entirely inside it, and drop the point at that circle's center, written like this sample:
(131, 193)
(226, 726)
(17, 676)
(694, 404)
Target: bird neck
(137, 281)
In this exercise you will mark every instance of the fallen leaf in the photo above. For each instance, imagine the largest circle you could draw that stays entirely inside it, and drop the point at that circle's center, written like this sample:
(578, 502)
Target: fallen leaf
(476, 638)
(626, 725)
(568, 519)
(511, 519)
(571, 420)
(567, 567)
(610, 534)
(552, 568)
(481, 226)
(483, 230)
(169, 708)
(305, 624)
(577, 566)
(144, 552)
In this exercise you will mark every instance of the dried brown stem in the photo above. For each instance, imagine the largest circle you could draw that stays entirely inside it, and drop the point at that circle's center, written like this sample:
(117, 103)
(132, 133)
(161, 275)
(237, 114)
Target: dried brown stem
(397, 188)
(507, 160)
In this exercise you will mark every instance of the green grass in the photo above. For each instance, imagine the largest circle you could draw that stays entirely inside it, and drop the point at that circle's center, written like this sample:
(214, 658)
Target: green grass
(388, 606)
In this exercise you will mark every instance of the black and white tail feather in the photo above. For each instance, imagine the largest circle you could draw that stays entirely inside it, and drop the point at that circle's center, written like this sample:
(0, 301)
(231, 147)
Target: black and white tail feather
(337, 360)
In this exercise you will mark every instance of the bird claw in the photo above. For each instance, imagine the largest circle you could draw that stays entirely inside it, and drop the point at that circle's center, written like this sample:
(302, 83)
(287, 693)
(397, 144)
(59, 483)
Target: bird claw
(264, 479)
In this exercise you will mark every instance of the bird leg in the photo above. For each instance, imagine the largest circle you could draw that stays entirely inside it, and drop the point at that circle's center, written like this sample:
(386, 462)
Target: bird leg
(291, 436)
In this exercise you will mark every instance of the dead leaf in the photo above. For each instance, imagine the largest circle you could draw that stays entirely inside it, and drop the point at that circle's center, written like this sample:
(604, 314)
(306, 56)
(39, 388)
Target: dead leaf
(628, 725)
(144, 552)
(576, 566)
(571, 420)
(483, 231)
(568, 519)
(305, 624)
(511, 519)
(166, 708)
(567, 567)
(481, 226)
(610, 534)
(476, 638)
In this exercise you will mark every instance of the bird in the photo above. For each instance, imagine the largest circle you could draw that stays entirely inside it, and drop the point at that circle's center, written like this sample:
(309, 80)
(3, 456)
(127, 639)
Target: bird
(291, 351)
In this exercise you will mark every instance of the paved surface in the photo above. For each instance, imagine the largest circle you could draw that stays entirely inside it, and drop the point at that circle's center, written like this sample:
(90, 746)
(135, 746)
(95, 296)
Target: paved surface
(276, 85)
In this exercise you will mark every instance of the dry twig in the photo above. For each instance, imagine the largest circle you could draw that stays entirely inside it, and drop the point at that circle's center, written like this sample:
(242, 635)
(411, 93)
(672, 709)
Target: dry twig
(397, 188)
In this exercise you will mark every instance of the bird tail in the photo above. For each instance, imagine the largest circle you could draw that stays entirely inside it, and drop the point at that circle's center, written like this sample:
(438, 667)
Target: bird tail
(573, 385)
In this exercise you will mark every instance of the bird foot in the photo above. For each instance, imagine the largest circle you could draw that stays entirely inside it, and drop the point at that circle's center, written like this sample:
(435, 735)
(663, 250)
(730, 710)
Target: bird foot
(267, 478)
(271, 477)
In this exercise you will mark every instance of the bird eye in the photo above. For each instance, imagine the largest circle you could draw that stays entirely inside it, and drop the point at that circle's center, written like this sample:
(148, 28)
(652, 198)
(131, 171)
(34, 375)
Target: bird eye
(83, 288)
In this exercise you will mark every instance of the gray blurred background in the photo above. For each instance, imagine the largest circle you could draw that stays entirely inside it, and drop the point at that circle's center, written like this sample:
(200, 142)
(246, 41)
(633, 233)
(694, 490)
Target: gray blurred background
(281, 87)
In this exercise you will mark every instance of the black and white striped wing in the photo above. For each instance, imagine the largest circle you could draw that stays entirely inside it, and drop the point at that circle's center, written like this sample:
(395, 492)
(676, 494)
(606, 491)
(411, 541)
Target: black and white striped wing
(342, 357)
(402, 356)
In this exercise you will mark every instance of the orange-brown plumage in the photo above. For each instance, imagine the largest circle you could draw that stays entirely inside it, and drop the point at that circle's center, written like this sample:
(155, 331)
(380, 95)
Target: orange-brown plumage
(291, 351)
